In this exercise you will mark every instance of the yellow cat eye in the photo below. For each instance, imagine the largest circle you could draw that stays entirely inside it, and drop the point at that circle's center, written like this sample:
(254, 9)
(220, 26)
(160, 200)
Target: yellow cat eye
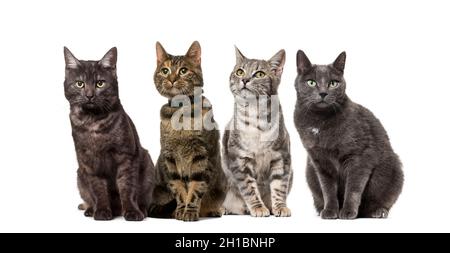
(183, 71)
(100, 84)
(240, 72)
(311, 83)
(79, 84)
(334, 84)
(165, 71)
(259, 74)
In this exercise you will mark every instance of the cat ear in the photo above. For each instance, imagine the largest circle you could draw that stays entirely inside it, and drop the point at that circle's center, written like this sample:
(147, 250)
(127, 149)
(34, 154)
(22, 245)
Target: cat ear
(339, 63)
(161, 55)
(71, 61)
(110, 59)
(277, 62)
(195, 53)
(303, 63)
(239, 56)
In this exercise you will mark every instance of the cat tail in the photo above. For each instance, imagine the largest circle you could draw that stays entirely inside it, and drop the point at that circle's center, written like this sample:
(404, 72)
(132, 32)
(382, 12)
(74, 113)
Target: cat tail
(162, 211)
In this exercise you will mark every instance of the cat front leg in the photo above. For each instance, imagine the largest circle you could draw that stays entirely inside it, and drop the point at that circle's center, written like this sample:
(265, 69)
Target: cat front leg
(246, 183)
(279, 187)
(357, 176)
(178, 189)
(196, 190)
(127, 181)
(98, 189)
(328, 179)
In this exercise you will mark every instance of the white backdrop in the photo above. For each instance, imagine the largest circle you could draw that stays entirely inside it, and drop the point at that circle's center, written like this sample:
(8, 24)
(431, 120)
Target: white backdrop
(397, 66)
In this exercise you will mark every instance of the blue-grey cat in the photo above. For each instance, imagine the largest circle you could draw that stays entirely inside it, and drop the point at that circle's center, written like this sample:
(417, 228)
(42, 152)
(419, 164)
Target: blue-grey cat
(351, 169)
(256, 149)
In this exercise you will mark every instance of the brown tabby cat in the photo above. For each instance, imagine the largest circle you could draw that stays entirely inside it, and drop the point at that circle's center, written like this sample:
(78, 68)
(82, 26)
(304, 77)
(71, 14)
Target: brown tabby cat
(190, 179)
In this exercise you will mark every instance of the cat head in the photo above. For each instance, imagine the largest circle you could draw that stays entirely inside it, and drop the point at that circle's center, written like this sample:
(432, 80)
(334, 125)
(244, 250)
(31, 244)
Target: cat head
(252, 77)
(92, 85)
(320, 86)
(178, 75)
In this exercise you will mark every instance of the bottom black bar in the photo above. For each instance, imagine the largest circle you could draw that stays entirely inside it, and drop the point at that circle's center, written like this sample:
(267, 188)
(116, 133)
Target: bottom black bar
(222, 242)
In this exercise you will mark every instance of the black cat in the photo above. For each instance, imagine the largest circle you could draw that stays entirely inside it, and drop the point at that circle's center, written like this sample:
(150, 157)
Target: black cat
(115, 173)
(351, 169)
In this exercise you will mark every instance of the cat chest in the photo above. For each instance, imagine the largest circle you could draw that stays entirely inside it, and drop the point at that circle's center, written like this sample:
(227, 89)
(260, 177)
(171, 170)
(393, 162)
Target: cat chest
(94, 151)
(178, 133)
(93, 141)
(260, 152)
(316, 137)
(253, 143)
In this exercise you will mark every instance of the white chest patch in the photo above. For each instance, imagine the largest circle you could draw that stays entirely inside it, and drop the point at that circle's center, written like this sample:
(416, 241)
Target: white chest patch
(315, 130)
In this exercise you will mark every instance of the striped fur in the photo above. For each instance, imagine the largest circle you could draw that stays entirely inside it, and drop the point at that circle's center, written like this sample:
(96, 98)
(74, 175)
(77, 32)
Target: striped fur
(256, 152)
(189, 175)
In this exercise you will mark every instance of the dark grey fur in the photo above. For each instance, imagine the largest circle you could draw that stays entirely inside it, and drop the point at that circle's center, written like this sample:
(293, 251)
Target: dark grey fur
(351, 169)
(115, 173)
(256, 150)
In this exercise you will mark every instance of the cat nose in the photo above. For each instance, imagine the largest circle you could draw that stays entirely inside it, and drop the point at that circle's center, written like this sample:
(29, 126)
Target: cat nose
(89, 96)
(245, 81)
(323, 94)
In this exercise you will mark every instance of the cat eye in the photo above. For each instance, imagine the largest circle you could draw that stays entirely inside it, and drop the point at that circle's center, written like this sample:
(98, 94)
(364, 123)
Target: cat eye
(259, 74)
(79, 84)
(165, 71)
(333, 84)
(311, 83)
(240, 72)
(100, 84)
(183, 71)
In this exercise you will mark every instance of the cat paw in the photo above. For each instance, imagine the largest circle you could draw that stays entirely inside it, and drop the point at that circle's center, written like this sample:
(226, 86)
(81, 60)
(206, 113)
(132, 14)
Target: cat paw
(89, 212)
(380, 213)
(329, 214)
(103, 214)
(190, 216)
(179, 213)
(282, 212)
(259, 212)
(133, 215)
(348, 214)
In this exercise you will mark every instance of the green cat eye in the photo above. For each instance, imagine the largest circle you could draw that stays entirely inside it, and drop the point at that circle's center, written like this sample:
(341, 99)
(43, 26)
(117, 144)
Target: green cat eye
(333, 84)
(311, 83)
(240, 72)
(183, 71)
(79, 84)
(165, 71)
(259, 74)
(100, 84)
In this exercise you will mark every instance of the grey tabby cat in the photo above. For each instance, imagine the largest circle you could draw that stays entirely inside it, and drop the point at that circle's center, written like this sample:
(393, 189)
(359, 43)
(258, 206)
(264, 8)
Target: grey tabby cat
(351, 168)
(256, 151)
